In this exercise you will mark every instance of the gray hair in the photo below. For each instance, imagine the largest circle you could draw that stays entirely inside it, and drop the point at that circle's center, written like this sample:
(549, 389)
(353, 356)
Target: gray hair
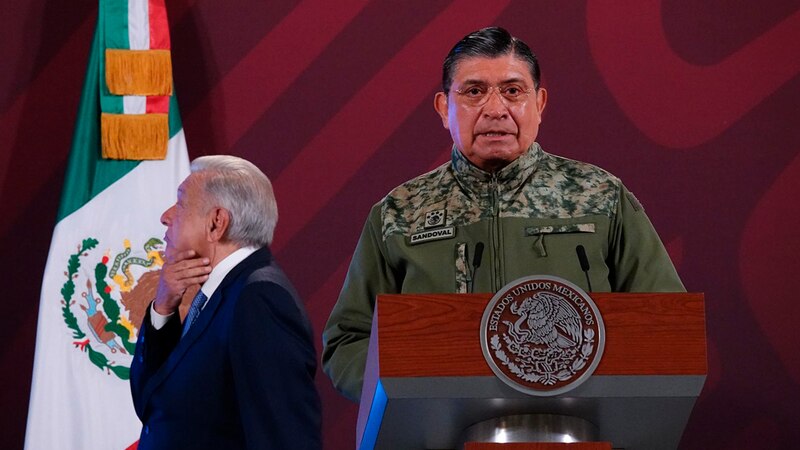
(241, 188)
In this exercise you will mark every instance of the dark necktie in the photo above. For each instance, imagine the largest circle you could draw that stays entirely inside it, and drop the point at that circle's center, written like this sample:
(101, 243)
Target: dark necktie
(194, 311)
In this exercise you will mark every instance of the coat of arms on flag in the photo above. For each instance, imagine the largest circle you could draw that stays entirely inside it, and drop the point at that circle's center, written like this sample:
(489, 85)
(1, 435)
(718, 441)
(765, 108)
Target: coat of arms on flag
(110, 294)
(128, 156)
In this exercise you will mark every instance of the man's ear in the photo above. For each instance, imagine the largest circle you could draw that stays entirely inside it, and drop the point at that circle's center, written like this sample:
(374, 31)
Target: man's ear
(219, 219)
(440, 105)
(541, 100)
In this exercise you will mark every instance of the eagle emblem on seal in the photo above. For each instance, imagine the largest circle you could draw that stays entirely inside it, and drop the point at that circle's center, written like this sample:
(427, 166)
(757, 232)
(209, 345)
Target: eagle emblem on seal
(542, 335)
(545, 319)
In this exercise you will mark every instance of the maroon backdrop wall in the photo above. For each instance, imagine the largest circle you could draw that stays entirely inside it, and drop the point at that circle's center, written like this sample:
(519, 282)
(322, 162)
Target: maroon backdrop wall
(692, 104)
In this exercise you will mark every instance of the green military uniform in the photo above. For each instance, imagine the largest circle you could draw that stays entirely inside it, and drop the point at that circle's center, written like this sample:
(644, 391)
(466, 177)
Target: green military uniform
(530, 216)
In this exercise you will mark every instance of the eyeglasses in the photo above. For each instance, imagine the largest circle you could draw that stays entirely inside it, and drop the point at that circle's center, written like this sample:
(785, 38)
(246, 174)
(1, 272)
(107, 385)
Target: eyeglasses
(478, 95)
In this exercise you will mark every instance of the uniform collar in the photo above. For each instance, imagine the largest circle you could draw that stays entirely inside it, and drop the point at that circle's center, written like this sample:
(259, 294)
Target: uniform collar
(509, 177)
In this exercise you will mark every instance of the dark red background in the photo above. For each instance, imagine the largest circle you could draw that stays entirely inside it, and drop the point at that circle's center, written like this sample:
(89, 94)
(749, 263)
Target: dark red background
(693, 104)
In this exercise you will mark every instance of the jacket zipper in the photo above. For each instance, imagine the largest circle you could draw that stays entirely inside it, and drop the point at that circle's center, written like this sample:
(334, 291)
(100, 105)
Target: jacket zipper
(497, 279)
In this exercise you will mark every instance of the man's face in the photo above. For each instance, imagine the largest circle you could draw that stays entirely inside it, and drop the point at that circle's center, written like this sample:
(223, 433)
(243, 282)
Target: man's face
(497, 132)
(186, 219)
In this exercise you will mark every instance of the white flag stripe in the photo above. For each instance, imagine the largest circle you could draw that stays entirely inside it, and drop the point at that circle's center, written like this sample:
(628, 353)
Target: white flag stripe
(139, 24)
(74, 404)
(139, 39)
(134, 104)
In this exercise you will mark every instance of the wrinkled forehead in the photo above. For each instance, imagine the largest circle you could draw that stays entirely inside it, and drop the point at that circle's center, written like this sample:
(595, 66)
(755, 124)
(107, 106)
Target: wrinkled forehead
(191, 186)
(492, 70)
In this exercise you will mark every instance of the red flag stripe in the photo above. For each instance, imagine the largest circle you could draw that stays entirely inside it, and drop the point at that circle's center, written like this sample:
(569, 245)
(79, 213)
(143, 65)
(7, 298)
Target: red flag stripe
(159, 39)
(159, 27)
(157, 104)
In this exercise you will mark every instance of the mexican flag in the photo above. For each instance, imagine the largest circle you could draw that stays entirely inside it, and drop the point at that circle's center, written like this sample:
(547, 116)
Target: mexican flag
(128, 156)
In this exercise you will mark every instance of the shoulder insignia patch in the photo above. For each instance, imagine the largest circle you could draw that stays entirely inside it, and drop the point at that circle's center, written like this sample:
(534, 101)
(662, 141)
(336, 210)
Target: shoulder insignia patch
(434, 218)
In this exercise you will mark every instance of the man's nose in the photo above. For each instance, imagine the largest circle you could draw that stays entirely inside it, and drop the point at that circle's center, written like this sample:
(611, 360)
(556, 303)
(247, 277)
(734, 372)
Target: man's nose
(166, 216)
(495, 105)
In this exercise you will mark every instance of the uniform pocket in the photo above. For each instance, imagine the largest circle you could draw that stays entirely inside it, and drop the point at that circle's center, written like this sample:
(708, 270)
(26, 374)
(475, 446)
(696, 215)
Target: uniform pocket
(540, 231)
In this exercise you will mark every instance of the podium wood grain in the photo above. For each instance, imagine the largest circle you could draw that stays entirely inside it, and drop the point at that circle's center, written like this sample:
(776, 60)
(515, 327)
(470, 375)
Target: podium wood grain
(646, 334)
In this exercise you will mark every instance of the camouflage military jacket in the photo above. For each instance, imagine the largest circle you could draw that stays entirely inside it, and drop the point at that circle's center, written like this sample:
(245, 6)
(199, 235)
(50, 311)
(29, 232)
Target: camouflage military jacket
(529, 218)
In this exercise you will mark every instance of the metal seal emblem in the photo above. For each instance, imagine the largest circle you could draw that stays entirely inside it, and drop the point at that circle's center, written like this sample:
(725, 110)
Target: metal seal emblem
(542, 335)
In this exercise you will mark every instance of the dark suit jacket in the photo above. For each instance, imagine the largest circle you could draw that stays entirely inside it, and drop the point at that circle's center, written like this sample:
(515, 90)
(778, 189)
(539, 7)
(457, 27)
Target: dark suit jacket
(242, 377)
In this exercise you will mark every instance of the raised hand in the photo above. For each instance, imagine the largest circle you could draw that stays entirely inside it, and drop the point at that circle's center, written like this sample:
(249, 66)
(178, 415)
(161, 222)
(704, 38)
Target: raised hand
(179, 272)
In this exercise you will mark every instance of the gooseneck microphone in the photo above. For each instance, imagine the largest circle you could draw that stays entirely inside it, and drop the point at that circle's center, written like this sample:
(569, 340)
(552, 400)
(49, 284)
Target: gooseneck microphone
(584, 264)
(476, 262)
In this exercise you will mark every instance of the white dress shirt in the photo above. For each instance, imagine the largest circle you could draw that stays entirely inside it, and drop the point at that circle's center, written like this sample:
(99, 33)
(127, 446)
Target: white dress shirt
(216, 276)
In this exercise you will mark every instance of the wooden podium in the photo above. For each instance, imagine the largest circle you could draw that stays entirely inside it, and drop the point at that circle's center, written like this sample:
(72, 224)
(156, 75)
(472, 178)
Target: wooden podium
(426, 379)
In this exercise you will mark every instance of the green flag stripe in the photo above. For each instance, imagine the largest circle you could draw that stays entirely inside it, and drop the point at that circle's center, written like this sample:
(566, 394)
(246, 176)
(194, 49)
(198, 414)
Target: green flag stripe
(87, 173)
(175, 123)
(115, 14)
(113, 29)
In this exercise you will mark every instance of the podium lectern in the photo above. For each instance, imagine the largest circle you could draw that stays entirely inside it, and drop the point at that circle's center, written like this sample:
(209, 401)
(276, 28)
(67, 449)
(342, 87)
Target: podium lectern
(426, 379)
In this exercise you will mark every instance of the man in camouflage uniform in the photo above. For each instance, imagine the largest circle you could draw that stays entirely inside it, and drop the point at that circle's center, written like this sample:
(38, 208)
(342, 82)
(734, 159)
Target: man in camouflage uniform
(527, 210)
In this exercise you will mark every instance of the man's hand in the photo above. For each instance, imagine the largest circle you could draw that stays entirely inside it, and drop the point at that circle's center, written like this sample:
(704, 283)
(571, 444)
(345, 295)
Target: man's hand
(179, 272)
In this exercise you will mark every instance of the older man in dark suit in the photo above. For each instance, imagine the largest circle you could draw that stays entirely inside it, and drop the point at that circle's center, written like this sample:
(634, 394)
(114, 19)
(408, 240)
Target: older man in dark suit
(239, 371)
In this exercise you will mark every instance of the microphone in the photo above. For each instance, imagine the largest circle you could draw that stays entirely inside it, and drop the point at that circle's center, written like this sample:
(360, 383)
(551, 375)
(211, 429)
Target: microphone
(584, 264)
(476, 262)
